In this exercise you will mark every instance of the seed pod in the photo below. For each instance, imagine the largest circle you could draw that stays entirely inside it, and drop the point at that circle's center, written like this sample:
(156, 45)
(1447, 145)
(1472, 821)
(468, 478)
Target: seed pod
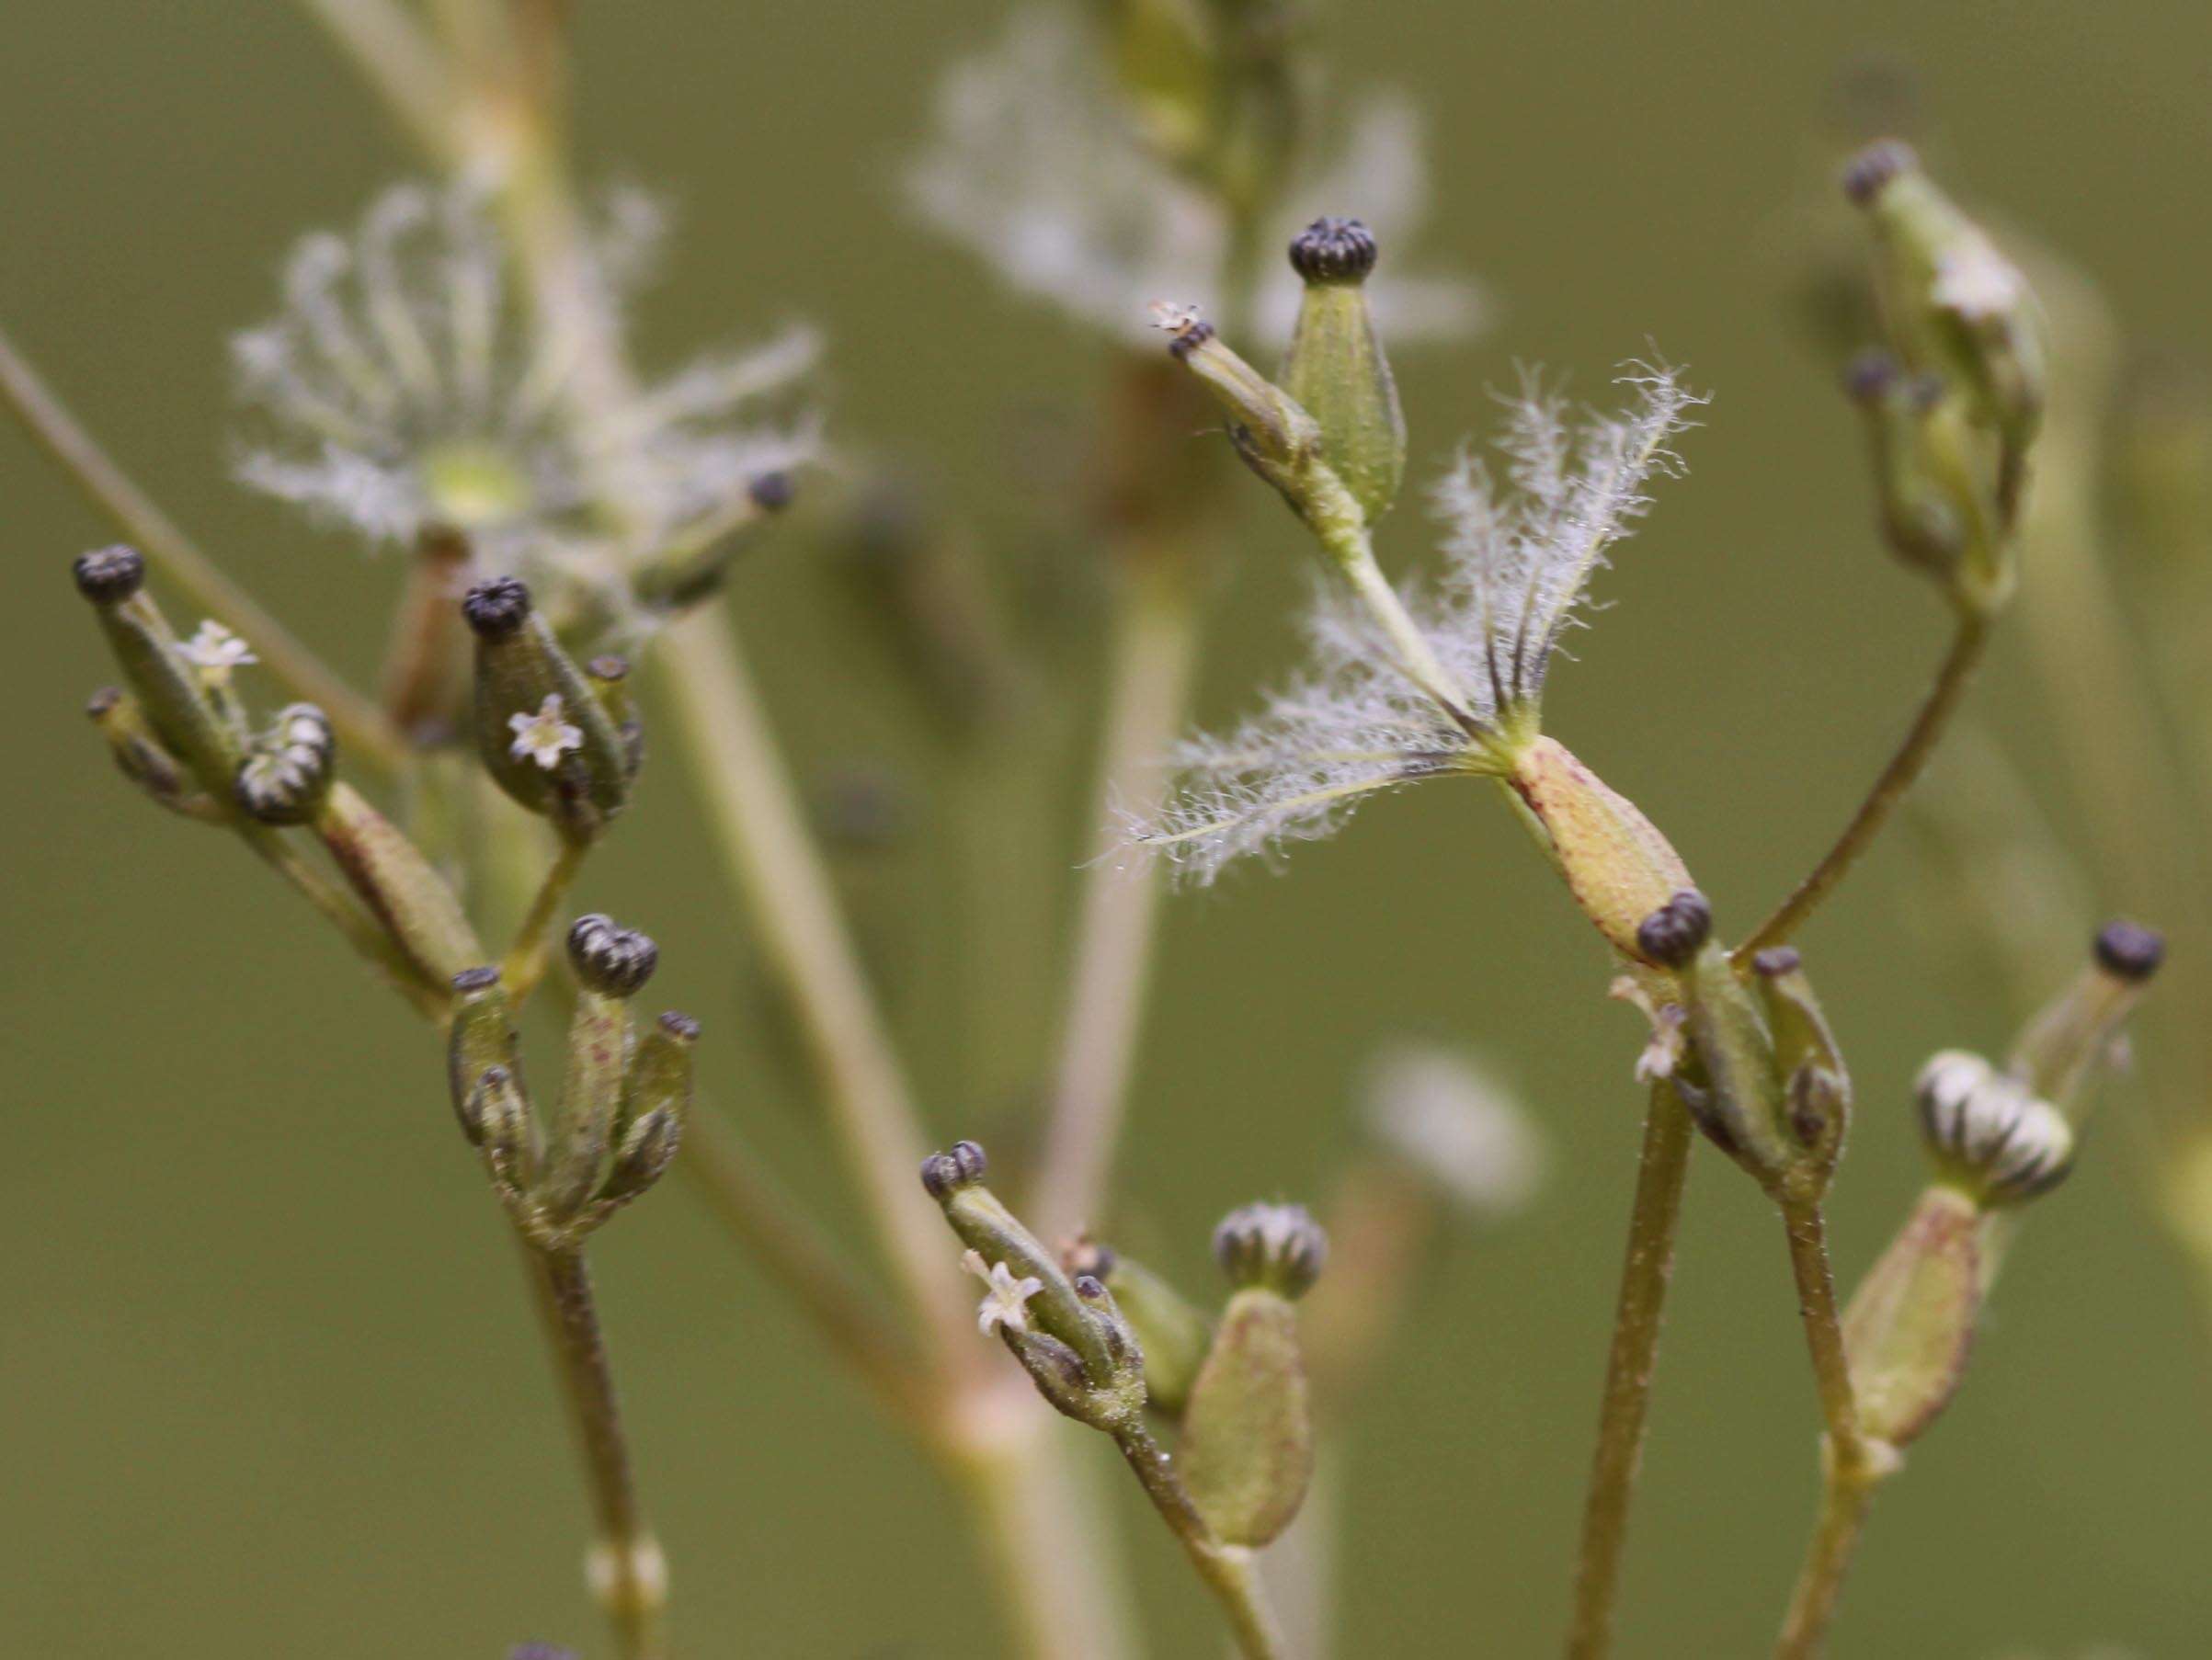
(1171, 1331)
(2061, 1051)
(1930, 507)
(287, 774)
(1816, 1086)
(407, 895)
(1618, 866)
(482, 1036)
(611, 964)
(1958, 306)
(1279, 1247)
(657, 1102)
(176, 699)
(1247, 1442)
(1734, 1084)
(1336, 368)
(541, 731)
(609, 677)
(1911, 1322)
(1273, 433)
(145, 760)
(506, 1132)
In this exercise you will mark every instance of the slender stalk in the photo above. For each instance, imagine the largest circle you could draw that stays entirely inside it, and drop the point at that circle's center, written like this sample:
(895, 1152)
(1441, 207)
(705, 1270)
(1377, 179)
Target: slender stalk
(525, 961)
(400, 61)
(359, 724)
(627, 1570)
(1226, 1570)
(778, 874)
(1968, 644)
(1851, 1464)
(1156, 650)
(1654, 1219)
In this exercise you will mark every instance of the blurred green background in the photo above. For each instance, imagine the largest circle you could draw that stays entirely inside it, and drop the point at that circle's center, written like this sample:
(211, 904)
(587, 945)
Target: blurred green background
(266, 1386)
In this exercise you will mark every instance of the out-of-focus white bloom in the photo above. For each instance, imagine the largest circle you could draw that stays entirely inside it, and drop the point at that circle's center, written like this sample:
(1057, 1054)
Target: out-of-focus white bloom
(215, 651)
(1451, 1120)
(404, 384)
(1518, 565)
(1005, 1298)
(1035, 165)
(544, 737)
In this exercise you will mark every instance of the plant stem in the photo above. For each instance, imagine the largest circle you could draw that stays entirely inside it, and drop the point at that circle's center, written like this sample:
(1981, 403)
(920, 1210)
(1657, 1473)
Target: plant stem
(1968, 644)
(1227, 1569)
(360, 724)
(1644, 1275)
(1156, 650)
(363, 931)
(400, 61)
(1853, 1464)
(628, 1574)
(773, 863)
(524, 964)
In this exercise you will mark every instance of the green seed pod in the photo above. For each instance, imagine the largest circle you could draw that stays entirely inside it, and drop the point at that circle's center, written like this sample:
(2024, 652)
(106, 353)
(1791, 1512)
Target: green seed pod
(609, 677)
(1272, 430)
(177, 699)
(541, 731)
(1958, 306)
(1171, 1330)
(1815, 1084)
(405, 891)
(1247, 1441)
(145, 760)
(482, 1036)
(506, 1132)
(287, 774)
(1335, 367)
(657, 1102)
(1930, 507)
(1619, 868)
(1911, 1324)
(610, 966)
(1734, 1084)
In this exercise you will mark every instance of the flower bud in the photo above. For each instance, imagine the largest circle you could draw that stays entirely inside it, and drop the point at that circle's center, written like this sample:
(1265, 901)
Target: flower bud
(1272, 432)
(1279, 1247)
(541, 731)
(176, 699)
(964, 1166)
(287, 773)
(409, 897)
(1248, 1441)
(1930, 512)
(657, 1102)
(143, 758)
(1619, 868)
(1336, 368)
(612, 961)
(1815, 1084)
(1911, 1324)
(1991, 1137)
(1957, 305)
(2076, 1035)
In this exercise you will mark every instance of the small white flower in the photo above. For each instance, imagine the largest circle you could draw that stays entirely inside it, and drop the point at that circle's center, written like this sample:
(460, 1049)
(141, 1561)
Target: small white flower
(1006, 1299)
(215, 651)
(544, 737)
(1036, 165)
(1518, 564)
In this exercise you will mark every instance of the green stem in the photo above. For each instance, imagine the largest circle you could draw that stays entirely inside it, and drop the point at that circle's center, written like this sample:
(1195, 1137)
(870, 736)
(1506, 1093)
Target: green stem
(1968, 644)
(1852, 1465)
(1654, 1219)
(1226, 1570)
(397, 57)
(1155, 651)
(360, 724)
(363, 931)
(627, 1572)
(524, 964)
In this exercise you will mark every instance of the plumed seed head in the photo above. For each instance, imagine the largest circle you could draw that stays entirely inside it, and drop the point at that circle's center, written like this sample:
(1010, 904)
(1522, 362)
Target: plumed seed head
(471, 981)
(1671, 935)
(944, 1174)
(613, 961)
(1279, 1247)
(1333, 250)
(109, 575)
(2127, 950)
(773, 492)
(497, 607)
(1867, 174)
